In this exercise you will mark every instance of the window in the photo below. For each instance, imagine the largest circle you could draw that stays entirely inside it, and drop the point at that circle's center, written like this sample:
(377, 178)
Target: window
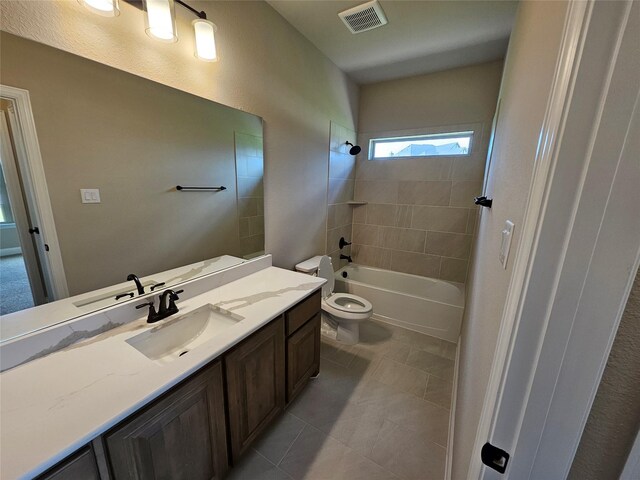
(437, 145)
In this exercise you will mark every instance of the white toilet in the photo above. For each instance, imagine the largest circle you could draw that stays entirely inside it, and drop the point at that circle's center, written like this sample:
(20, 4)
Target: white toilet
(343, 309)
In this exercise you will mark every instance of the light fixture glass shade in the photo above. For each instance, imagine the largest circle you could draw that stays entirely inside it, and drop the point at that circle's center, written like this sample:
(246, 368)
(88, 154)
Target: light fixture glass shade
(106, 8)
(205, 40)
(160, 20)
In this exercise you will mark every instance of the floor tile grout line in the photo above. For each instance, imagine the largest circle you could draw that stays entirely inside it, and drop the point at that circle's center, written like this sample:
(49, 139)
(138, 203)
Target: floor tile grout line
(261, 455)
(426, 387)
(418, 433)
(368, 457)
(292, 443)
(270, 462)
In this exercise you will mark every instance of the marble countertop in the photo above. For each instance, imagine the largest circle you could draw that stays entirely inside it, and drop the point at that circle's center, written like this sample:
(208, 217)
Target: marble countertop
(26, 321)
(52, 406)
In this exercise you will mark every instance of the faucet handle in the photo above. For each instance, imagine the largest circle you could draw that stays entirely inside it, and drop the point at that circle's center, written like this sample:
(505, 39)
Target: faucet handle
(147, 304)
(157, 285)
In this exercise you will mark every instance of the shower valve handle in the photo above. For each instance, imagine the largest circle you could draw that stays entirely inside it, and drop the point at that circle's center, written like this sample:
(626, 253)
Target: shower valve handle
(343, 243)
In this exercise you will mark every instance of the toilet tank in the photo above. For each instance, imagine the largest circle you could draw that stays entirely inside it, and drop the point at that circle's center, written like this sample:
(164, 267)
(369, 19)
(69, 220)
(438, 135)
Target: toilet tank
(321, 266)
(309, 266)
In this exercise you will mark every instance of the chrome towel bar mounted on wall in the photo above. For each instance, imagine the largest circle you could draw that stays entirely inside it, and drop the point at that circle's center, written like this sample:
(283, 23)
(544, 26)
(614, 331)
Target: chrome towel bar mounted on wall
(180, 188)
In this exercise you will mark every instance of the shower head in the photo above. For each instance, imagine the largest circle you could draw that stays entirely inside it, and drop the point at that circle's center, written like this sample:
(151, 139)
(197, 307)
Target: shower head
(354, 150)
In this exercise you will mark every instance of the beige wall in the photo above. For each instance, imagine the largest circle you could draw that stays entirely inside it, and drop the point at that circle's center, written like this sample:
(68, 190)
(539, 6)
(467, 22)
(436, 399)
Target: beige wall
(134, 140)
(525, 89)
(420, 216)
(266, 67)
(614, 419)
(342, 173)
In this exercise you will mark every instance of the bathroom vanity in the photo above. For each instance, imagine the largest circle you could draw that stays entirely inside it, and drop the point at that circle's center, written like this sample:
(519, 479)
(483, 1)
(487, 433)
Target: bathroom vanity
(119, 406)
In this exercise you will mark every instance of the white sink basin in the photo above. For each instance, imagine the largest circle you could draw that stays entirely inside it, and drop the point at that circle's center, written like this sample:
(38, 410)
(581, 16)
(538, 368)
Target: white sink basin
(179, 335)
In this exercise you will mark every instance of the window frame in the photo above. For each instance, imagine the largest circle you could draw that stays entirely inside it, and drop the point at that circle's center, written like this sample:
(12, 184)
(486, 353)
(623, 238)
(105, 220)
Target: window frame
(437, 136)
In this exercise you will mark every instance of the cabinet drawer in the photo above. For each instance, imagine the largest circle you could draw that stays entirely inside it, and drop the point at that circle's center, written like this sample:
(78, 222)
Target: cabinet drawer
(303, 356)
(80, 465)
(298, 315)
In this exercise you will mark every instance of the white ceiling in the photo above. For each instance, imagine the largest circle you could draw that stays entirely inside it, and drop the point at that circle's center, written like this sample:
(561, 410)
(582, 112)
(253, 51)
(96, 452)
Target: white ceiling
(422, 36)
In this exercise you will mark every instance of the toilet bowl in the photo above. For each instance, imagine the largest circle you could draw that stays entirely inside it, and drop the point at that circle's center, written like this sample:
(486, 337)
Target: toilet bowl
(345, 310)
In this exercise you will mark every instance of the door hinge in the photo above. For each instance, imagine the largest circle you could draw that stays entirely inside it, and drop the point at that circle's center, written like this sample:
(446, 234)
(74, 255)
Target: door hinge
(34, 230)
(494, 457)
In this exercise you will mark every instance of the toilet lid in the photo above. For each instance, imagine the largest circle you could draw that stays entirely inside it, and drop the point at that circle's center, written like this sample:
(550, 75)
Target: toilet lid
(325, 270)
(346, 302)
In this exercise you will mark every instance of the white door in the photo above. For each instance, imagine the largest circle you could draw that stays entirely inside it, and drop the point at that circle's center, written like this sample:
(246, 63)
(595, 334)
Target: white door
(11, 282)
(584, 260)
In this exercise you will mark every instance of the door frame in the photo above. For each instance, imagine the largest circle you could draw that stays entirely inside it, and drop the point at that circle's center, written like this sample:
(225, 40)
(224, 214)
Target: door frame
(36, 192)
(539, 372)
(27, 248)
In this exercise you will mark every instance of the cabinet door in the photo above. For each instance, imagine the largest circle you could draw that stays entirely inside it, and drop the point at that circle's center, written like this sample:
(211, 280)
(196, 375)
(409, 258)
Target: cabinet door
(79, 466)
(181, 436)
(303, 356)
(255, 385)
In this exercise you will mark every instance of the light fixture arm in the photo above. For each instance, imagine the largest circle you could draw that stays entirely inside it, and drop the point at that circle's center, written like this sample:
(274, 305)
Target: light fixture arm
(200, 14)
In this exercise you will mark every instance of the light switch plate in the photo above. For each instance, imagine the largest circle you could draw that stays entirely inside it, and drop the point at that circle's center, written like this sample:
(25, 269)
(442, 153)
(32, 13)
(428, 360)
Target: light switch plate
(90, 195)
(505, 246)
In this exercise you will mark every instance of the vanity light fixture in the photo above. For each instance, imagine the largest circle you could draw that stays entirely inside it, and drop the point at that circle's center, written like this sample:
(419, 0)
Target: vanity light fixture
(205, 40)
(106, 8)
(160, 22)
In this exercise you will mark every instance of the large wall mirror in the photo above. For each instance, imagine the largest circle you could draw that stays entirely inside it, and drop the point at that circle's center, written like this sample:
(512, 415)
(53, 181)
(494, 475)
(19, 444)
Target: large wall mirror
(135, 140)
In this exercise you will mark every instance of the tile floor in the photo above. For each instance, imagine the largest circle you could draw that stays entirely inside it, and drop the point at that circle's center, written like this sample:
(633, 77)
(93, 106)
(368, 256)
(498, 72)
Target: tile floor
(379, 410)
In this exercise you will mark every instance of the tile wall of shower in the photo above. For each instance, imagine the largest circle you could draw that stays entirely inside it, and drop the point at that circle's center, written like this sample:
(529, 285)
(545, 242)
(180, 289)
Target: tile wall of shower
(420, 217)
(342, 175)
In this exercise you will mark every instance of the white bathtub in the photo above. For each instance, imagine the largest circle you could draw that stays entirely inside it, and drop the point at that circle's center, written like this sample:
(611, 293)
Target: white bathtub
(425, 305)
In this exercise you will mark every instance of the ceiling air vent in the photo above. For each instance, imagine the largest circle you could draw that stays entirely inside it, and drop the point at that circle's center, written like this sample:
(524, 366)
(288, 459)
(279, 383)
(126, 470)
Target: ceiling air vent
(364, 17)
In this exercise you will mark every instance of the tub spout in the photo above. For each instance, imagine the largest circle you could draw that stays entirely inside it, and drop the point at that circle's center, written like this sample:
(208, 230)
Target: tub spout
(346, 257)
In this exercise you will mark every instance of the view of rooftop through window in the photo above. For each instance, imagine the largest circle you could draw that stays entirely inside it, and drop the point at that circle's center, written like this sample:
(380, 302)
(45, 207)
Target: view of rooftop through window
(445, 144)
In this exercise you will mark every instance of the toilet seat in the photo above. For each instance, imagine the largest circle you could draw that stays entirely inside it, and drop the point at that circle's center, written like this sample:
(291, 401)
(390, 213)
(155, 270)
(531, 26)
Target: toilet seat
(344, 309)
(346, 302)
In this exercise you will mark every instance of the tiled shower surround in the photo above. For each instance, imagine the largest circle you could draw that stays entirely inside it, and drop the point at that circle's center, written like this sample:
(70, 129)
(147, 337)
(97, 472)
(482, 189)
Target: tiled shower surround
(420, 217)
(342, 176)
(249, 174)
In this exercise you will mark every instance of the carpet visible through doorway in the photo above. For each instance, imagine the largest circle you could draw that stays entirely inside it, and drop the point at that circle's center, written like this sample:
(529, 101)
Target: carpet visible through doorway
(15, 291)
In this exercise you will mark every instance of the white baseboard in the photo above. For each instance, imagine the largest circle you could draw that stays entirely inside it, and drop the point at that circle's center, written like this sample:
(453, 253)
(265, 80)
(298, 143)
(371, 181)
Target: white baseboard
(452, 416)
(5, 252)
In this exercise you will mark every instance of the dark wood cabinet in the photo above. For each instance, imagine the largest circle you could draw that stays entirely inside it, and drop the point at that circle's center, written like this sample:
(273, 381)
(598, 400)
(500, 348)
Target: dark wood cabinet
(79, 466)
(255, 385)
(193, 430)
(303, 343)
(303, 356)
(180, 436)
(301, 313)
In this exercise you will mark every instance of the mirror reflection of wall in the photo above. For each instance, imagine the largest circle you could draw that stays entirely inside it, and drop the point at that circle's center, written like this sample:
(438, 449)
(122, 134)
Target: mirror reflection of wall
(134, 140)
(249, 174)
